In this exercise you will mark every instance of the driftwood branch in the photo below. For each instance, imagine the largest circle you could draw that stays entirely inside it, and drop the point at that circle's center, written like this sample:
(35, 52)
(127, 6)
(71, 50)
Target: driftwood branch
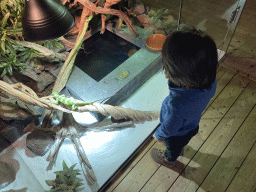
(106, 10)
(43, 50)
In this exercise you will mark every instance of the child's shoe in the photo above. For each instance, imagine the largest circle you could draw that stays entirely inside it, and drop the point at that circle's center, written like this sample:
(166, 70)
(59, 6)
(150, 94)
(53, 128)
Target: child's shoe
(158, 156)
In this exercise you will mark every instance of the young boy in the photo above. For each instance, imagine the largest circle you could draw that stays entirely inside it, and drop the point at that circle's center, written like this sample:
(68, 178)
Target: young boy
(190, 63)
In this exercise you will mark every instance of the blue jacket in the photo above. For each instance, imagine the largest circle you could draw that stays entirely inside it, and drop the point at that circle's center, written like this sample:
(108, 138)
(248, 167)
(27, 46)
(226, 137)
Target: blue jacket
(181, 110)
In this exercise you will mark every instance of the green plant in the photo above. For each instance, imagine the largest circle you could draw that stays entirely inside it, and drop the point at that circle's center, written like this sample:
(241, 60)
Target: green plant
(11, 53)
(8, 63)
(158, 13)
(52, 44)
(66, 180)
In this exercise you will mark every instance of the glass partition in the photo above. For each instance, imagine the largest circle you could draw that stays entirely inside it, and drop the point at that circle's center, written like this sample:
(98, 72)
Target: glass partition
(218, 18)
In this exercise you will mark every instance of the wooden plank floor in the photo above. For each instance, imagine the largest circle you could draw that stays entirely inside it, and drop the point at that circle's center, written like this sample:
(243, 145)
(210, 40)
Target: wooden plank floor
(222, 156)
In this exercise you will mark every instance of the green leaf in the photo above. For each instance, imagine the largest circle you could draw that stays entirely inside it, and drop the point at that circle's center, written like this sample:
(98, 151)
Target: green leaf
(65, 167)
(72, 167)
(4, 72)
(57, 44)
(72, 178)
(63, 179)
(3, 4)
(21, 48)
(46, 44)
(153, 12)
(36, 52)
(3, 59)
(55, 189)
(14, 5)
(14, 59)
(21, 69)
(76, 185)
(10, 48)
(58, 172)
(31, 55)
(63, 186)
(4, 21)
(28, 54)
(2, 65)
(55, 59)
(50, 182)
(15, 23)
(20, 64)
(22, 54)
(108, 16)
(9, 68)
(57, 180)
(11, 40)
(76, 172)
(60, 45)
(3, 46)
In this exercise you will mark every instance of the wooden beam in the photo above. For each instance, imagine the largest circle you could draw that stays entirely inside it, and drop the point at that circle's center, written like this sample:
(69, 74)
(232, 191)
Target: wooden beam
(245, 177)
(126, 170)
(235, 153)
(224, 76)
(138, 176)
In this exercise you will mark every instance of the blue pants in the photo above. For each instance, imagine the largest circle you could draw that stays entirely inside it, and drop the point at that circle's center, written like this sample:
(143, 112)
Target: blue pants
(174, 145)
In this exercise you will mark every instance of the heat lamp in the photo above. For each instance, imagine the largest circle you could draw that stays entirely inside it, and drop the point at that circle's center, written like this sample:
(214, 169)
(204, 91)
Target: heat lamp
(45, 20)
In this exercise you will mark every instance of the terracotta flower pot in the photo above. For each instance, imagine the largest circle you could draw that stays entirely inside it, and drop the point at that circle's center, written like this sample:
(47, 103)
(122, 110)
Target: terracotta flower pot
(155, 42)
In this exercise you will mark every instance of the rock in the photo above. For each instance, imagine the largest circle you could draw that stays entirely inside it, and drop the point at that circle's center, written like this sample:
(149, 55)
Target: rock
(150, 29)
(38, 68)
(2, 124)
(168, 19)
(39, 142)
(160, 31)
(151, 13)
(50, 66)
(171, 27)
(131, 52)
(158, 24)
(9, 111)
(139, 9)
(12, 108)
(7, 174)
(42, 79)
(146, 9)
(145, 20)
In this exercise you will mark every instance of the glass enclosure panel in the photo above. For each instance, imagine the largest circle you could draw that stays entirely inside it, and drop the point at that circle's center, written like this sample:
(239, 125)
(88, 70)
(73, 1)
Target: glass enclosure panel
(103, 53)
(218, 18)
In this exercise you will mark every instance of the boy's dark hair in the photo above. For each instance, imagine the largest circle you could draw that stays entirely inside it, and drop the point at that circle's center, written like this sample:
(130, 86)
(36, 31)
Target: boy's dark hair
(190, 58)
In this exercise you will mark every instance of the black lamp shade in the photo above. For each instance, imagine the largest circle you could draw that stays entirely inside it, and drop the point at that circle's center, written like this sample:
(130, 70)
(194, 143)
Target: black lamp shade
(44, 20)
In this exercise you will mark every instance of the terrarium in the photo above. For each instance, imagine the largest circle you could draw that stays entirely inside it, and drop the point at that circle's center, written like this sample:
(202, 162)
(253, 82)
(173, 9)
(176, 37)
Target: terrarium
(218, 18)
(105, 57)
